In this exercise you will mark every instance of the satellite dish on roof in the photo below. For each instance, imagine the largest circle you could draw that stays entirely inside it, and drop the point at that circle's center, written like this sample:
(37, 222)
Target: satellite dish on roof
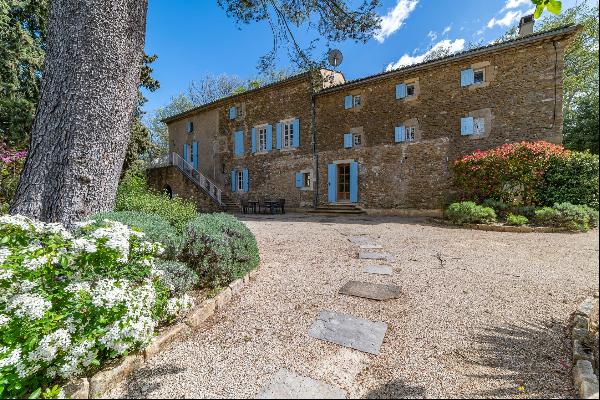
(335, 57)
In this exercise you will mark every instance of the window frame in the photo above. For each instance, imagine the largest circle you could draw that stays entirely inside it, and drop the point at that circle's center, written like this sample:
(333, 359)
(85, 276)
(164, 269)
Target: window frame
(356, 135)
(477, 129)
(410, 133)
(306, 180)
(356, 104)
(287, 129)
(239, 180)
(261, 141)
(475, 72)
(414, 89)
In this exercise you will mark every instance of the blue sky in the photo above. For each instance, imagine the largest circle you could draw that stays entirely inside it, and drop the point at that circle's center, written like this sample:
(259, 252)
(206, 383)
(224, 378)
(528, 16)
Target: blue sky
(195, 37)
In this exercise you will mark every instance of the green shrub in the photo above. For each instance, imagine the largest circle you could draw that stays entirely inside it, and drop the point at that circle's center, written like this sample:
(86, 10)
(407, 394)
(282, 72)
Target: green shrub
(155, 228)
(516, 220)
(546, 216)
(133, 195)
(500, 207)
(468, 212)
(4, 208)
(177, 276)
(593, 214)
(219, 248)
(572, 179)
(567, 215)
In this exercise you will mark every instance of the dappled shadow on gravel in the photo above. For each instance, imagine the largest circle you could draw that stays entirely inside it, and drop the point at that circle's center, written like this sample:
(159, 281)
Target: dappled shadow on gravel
(396, 389)
(532, 361)
(353, 220)
(142, 388)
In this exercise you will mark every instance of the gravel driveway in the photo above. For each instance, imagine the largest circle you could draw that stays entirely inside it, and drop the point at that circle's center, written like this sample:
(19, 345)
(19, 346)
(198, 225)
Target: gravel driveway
(483, 314)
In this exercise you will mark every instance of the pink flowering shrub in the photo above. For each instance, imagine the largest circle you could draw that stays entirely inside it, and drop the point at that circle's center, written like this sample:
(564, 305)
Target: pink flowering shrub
(511, 173)
(11, 166)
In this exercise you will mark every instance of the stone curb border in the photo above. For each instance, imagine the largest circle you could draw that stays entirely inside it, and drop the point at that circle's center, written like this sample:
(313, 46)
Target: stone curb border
(502, 228)
(584, 378)
(94, 387)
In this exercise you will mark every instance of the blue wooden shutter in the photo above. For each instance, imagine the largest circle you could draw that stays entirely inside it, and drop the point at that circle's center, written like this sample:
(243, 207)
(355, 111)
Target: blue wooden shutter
(195, 154)
(254, 140)
(269, 137)
(299, 179)
(400, 134)
(347, 140)
(245, 181)
(238, 143)
(354, 182)
(401, 91)
(278, 136)
(185, 155)
(232, 112)
(466, 126)
(467, 77)
(233, 180)
(348, 102)
(296, 134)
(331, 183)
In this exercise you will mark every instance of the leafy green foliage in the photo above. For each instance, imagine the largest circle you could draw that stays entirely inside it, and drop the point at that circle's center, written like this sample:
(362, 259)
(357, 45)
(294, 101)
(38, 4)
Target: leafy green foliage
(177, 276)
(468, 212)
(11, 165)
(155, 228)
(70, 301)
(554, 6)
(219, 248)
(572, 179)
(567, 215)
(516, 220)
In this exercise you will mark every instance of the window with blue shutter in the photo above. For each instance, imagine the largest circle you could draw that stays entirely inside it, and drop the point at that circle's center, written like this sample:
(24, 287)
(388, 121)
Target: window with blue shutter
(245, 180)
(269, 138)
(253, 140)
(185, 151)
(190, 127)
(195, 154)
(467, 77)
(348, 102)
(232, 112)
(354, 182)
(233, 180)
(401, 91)
(299, 179)
(347, 140)
(238, 143)
(466, 126)
(400, 134)
(332, 183)
(278, 136)
(296, 133)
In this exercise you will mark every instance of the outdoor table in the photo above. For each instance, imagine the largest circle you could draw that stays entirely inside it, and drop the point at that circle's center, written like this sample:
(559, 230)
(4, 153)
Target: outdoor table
(271, 204)
(253, 204)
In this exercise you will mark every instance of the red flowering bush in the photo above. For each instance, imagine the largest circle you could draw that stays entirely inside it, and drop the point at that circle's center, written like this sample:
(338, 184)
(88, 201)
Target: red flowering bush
(511, 173)
(11, 165)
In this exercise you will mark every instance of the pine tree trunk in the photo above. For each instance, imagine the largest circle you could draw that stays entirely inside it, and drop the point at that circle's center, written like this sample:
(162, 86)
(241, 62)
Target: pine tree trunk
(83, 120)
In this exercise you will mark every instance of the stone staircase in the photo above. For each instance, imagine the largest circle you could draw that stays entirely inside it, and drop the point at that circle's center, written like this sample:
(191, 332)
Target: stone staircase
(229, 204)
(338, 209)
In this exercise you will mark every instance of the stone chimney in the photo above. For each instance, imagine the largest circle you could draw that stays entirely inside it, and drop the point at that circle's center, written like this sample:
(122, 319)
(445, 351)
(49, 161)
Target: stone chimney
(526, 25)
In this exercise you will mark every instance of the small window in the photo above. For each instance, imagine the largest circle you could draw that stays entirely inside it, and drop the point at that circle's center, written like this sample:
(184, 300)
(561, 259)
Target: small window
(190, 127)
(410, 133)
(240, 181)
(357, 139)
(262, 138)
(223, 168)
(478, 126)
(306, 179)
(479, 76)
(411, 90)
(356, 101)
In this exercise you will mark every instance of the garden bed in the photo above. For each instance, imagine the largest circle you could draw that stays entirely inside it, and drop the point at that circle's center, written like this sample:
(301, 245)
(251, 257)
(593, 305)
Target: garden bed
(501, 227)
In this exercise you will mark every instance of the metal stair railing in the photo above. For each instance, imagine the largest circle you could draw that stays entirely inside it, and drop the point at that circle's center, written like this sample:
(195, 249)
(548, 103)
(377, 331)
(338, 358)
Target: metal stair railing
(193, 174)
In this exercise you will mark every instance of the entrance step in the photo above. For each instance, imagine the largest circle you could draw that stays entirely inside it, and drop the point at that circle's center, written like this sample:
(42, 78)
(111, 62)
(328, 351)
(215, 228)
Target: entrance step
(338, 209)
(288, 385)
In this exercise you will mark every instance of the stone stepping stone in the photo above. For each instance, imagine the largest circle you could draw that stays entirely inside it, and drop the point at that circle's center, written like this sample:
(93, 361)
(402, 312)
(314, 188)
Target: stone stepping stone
(368, 255)
(349, 331)
(372, 291)
(288, 385)
(371, 246)
(378, 270)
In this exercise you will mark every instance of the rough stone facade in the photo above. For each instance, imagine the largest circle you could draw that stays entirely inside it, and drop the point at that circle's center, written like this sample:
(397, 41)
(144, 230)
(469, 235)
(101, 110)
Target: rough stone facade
(520, 98)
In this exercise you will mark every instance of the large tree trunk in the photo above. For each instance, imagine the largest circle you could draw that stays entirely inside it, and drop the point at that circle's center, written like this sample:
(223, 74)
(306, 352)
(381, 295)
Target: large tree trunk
(83, 120)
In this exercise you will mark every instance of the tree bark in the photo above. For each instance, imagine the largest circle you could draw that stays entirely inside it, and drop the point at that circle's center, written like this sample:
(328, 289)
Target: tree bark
(83, 120)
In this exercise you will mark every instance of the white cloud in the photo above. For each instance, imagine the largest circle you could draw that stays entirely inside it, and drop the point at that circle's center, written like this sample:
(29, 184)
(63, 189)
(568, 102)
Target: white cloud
(445, 45)
(432, 35)
(510, 4)
(394, 19)
(509, 18)
(446, 30)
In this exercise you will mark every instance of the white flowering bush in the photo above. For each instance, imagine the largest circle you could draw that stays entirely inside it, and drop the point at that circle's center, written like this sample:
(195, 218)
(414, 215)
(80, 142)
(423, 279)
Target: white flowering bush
(70, 300)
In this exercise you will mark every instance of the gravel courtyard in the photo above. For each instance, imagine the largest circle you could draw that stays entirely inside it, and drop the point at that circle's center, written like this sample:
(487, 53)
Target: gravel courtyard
(483, 314)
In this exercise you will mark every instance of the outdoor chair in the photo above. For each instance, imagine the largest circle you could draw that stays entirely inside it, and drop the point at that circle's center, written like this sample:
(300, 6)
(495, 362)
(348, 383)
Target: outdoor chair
(281, 205)
(245, 206)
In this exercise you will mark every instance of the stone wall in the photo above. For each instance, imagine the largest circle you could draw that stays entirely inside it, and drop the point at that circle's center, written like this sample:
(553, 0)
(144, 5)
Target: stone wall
(181, 186)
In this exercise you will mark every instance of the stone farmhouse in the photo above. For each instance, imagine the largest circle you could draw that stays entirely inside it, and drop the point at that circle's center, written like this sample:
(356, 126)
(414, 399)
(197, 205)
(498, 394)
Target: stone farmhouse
(384, 143)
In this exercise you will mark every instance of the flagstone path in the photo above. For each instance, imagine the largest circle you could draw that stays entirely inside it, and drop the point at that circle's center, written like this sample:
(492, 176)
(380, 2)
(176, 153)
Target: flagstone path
(480, 314)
